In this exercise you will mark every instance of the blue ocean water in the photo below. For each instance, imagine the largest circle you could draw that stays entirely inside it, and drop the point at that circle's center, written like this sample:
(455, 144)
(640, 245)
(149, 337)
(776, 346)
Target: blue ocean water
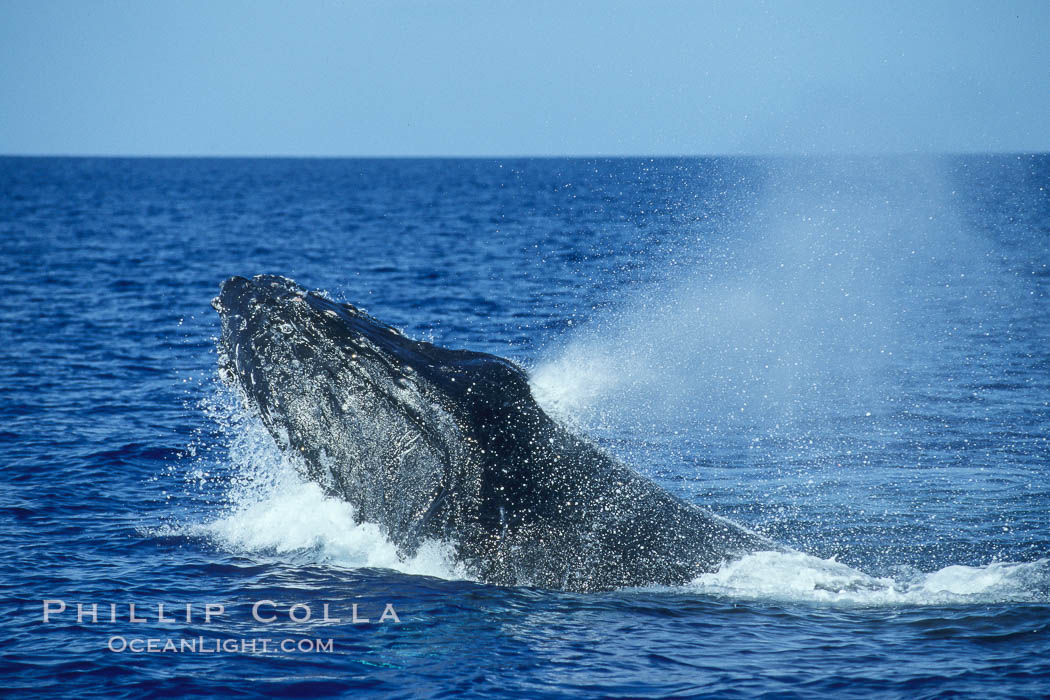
(849, 355)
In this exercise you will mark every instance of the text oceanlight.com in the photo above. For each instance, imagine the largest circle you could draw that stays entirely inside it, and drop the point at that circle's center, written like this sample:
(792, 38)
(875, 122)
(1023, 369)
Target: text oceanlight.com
(205, 645)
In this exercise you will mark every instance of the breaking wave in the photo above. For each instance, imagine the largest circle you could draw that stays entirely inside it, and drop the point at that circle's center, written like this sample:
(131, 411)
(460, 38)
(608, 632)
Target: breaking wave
(267, 509)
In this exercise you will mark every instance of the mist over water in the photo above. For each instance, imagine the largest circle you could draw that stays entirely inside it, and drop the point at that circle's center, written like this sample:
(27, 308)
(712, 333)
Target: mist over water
(831, 297)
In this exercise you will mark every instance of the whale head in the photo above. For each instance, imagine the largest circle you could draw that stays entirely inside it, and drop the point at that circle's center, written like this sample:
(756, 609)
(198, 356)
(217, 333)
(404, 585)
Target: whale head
(388, 423)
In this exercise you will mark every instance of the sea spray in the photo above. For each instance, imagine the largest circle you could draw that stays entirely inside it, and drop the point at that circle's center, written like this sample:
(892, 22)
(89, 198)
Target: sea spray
(810, 339)
(824, 297)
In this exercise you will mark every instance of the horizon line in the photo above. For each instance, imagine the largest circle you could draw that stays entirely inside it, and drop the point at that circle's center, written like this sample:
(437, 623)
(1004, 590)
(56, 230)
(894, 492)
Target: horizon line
(544, 156)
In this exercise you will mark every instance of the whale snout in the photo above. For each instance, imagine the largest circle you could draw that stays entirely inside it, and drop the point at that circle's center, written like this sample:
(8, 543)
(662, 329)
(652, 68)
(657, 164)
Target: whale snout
(270, 320)
(238, 294)
(232, 295)
(233, 284)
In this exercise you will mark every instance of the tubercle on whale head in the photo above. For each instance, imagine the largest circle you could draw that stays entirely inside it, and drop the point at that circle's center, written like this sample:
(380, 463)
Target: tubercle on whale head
(239, 296)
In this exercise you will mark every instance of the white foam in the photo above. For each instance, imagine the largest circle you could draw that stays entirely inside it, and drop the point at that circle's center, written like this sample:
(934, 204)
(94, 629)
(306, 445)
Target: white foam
(798, 577)
(271, 511)
(298, 519)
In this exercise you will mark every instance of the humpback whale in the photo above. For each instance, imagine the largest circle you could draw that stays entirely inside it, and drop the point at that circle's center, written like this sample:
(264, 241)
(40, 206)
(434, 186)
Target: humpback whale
(438, 444)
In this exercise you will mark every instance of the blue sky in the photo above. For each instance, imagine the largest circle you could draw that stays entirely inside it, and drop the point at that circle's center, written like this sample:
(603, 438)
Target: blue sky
(522, 78)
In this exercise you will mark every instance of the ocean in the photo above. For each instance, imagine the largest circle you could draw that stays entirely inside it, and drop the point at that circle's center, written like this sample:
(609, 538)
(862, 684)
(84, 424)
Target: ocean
(849, 355)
